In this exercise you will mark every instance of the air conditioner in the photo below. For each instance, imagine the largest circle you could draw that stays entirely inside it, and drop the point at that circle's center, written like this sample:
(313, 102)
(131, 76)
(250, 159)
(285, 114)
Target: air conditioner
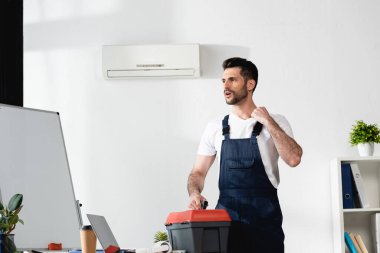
(149, 61)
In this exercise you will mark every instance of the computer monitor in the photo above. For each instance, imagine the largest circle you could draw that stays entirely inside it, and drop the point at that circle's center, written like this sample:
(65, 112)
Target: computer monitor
(102, 230)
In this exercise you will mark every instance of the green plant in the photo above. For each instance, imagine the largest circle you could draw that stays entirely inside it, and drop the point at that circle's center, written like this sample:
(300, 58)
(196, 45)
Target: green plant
(9, 214)
(160, 236)
(362, 133)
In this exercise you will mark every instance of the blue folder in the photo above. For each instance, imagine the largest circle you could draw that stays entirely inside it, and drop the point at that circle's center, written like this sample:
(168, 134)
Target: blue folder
(348, 200)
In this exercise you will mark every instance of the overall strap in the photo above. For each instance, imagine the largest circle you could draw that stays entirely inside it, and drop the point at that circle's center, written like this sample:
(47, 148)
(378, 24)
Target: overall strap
(226, 127)
(257, 129)
(256, 132)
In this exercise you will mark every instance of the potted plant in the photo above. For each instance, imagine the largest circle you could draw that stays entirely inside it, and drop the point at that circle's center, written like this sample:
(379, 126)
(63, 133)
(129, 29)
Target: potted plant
(8, 220)
(161, 240)
(364, 136)
(160, 236)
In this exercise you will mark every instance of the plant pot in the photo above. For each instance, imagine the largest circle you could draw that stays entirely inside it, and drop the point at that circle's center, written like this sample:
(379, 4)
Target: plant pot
(7, 244)
(366, 149)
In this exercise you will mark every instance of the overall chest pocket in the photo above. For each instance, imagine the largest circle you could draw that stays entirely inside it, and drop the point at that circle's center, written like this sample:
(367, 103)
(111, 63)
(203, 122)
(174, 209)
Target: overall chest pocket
(240, 174)
(240, 164)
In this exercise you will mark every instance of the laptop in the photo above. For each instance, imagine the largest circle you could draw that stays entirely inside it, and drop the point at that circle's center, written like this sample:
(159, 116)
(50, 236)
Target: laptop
(103, 232)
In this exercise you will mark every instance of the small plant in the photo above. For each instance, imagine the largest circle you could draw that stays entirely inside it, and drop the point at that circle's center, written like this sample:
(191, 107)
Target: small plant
(9, 214)
(160, 236)
(362, 133)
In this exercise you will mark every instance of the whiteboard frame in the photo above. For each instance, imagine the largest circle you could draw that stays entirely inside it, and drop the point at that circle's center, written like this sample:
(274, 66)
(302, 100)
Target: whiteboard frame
(70, 240)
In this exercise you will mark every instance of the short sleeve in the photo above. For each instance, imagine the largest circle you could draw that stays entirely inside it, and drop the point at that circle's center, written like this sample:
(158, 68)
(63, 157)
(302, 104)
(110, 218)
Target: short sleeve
(284, 124)
(207, 143)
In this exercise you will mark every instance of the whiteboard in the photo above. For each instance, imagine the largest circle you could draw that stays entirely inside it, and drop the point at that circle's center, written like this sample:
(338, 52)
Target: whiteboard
(33, 162)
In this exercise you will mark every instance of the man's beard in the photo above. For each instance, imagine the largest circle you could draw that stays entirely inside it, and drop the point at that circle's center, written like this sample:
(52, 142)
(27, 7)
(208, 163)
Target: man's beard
(238, 97)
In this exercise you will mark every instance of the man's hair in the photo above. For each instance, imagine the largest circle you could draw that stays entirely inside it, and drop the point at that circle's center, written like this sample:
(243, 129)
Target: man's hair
(247, 69)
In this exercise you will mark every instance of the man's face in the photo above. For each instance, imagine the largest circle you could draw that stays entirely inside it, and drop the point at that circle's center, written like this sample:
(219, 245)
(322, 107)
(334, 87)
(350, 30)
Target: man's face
(235, 88)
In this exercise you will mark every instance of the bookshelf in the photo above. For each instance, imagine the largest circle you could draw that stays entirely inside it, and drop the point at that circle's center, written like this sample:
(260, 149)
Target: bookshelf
(355, 220)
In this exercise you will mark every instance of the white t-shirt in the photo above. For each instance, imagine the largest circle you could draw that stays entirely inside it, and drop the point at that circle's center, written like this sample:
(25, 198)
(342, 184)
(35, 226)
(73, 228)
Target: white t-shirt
(211, 141)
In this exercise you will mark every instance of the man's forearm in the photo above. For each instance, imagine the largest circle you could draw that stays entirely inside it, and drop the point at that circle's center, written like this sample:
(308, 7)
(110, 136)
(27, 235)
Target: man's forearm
(196, 180)
(287, 147)
(195, 183)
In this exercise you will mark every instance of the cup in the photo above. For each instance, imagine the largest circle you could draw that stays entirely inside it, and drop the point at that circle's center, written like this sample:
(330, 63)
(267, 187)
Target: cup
(87, 239)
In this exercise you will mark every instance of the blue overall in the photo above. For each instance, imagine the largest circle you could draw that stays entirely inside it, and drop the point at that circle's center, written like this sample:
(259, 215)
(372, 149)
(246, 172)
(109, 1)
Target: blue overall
(248, 196)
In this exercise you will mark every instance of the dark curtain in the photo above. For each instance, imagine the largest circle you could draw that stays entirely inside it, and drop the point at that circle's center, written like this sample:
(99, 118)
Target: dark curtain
(11, 52)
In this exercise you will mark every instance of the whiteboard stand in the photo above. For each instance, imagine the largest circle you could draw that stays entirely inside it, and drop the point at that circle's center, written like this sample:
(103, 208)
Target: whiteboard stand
(79, 205)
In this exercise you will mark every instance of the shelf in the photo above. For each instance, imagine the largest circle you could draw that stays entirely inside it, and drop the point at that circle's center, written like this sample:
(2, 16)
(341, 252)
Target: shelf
(362, 210)
(355, 220)
(358, 158)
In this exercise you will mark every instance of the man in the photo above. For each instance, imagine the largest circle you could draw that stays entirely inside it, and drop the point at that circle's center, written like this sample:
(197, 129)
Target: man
(248, 143)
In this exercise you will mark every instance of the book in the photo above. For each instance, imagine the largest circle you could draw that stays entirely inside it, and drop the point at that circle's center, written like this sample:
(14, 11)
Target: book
(355, 242)
(349, 243)
(362, 246)
(375, 222)
(348, 201)
(360, 186)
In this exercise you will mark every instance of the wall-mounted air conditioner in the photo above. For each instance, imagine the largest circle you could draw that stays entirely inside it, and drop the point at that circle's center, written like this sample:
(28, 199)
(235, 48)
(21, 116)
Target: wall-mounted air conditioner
(143, 61)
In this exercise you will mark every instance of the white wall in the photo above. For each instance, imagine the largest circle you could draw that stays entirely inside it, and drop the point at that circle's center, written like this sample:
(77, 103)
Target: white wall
(131, 143)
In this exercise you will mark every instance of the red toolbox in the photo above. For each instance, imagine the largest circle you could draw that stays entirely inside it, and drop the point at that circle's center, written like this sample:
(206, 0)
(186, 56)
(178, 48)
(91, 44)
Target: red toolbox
(199, 231)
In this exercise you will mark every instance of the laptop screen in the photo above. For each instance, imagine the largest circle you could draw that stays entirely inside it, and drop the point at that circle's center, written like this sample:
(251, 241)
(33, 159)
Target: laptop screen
(102, 230)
